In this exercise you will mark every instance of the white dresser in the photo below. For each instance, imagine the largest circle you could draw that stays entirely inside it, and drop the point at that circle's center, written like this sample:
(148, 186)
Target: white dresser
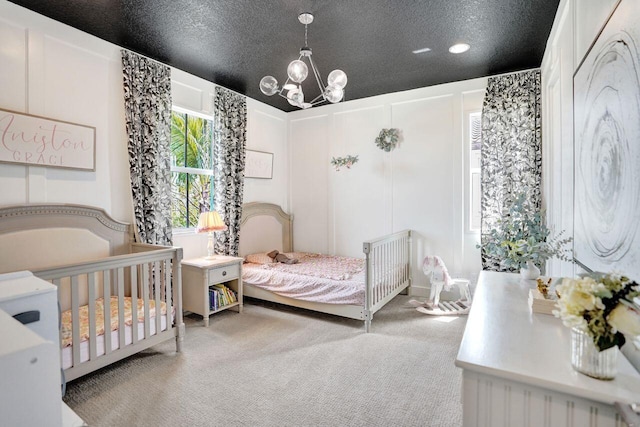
(517, 366)
(30, 393)
(30, 372)
(23, 294)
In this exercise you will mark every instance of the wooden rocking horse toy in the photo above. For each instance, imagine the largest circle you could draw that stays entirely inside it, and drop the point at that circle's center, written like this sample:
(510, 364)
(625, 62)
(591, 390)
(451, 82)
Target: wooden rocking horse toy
(434, 268)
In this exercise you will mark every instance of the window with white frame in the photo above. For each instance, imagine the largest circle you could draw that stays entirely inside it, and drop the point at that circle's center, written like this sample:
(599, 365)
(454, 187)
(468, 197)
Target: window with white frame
(475, 126)
(191, 167)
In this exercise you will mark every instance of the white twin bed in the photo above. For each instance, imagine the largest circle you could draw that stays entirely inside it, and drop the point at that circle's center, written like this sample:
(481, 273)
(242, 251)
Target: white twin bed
(90, 257)
(348, 287)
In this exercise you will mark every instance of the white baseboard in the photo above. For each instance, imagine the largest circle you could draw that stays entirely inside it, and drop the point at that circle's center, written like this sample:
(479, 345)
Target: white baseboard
(419, 291)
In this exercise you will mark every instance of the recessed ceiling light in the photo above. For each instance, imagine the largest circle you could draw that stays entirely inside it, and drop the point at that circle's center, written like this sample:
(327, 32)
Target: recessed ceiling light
(423, 50)
(459, 48)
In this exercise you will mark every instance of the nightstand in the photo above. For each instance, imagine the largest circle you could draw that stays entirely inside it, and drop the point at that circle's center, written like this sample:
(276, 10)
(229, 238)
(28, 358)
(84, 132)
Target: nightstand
(200, 274)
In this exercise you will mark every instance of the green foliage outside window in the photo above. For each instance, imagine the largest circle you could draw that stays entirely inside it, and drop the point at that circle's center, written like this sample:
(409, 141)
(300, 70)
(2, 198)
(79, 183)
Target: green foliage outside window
(192, 165)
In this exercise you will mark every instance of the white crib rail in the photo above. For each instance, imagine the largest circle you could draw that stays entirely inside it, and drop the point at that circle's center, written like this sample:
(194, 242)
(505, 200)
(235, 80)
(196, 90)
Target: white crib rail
(388, 270)
(146, 275)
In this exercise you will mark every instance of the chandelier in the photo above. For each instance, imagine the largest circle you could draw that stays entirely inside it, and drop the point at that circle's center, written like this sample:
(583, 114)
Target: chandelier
(297, 72)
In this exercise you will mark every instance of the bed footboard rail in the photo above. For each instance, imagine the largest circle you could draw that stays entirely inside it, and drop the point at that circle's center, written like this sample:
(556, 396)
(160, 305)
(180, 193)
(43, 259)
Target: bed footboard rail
(387, 271)
(91, 290)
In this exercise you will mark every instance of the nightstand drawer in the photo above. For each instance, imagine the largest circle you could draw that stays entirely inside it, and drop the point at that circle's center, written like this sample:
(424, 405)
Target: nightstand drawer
(222, 274)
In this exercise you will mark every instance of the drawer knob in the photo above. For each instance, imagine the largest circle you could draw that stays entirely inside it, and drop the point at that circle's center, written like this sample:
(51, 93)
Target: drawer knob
(224, 273)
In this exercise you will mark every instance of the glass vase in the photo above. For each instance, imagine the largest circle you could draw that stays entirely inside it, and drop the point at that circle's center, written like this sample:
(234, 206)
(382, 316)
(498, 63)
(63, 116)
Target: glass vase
(588, 360)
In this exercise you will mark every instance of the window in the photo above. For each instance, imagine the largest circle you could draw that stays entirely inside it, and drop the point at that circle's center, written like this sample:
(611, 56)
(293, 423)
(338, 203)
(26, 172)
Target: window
(475, 126)
(191, 167)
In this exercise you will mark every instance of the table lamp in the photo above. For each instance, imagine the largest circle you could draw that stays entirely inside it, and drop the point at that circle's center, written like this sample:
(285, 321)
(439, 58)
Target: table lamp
(210, 222)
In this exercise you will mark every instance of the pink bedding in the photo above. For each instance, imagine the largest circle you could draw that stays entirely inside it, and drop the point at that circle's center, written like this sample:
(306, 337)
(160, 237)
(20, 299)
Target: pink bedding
(318, 278)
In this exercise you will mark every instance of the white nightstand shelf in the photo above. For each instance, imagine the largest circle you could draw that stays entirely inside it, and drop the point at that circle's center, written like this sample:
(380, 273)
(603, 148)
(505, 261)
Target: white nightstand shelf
(224, 307)
(199, 274)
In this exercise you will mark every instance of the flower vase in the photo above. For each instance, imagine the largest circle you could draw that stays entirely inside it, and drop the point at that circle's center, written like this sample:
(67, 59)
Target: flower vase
(588, 360)
(530, 272)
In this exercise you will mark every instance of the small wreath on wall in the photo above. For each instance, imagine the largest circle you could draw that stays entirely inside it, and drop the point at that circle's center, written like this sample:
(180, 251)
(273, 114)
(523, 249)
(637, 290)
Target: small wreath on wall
(388, 139)
(347, 162)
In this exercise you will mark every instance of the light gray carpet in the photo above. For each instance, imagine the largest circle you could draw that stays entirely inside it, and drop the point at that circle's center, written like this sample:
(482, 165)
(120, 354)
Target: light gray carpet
(280, 366)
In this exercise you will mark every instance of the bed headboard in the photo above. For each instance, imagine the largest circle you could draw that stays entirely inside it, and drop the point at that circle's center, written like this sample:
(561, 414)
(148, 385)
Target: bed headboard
(264, 227)
(45, 235)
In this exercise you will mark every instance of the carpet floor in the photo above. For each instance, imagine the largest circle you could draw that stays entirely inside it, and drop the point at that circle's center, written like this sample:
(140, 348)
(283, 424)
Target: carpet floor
(280, 366)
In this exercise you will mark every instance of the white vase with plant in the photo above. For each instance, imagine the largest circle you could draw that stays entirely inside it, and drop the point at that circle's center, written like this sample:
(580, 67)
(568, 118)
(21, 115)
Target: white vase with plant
(530, 271)
(522, 240)
(601, 309)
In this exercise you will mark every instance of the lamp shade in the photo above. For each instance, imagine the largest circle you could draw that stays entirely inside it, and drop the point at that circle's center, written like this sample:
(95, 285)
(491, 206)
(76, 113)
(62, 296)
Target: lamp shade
(210, 221)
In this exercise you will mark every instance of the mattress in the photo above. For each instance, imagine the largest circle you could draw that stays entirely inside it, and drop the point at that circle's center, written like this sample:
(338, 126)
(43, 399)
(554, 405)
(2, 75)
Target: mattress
(67, 352)
(66, 327)
(318, 278)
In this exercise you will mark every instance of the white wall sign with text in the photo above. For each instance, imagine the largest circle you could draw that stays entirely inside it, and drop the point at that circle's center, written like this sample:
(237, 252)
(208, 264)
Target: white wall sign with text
(40, 141)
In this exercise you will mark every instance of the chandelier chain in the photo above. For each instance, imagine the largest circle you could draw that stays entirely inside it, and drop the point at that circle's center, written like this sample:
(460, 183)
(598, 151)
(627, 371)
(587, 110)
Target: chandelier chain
(305, 36)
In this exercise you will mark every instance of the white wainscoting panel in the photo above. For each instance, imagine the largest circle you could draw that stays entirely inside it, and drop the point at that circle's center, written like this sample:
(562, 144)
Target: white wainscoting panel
(358, 194)
(13, 96)
(76, 88)
(423, 178)
(13, 60)
(590, 16)
(267, 131)
(309, 142)
(186, 96)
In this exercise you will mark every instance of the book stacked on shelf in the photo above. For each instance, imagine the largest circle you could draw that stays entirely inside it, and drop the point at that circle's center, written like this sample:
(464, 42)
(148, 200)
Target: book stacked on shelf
(220, 296)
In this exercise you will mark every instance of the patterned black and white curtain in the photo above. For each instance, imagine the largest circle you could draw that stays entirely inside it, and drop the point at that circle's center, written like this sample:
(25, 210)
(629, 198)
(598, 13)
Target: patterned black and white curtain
(511, 157)
(147, 100)
(230, 138)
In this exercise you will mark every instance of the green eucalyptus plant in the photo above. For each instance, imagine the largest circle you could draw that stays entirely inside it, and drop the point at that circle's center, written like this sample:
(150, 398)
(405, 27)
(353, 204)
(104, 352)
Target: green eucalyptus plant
(522, 235)
(348, 161)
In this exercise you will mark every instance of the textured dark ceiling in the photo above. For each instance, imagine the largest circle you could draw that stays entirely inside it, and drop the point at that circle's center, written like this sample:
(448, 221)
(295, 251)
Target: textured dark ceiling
(234, 43)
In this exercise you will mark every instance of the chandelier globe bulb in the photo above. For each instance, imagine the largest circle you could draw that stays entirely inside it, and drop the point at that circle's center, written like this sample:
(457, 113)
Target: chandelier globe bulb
(269, 85)
(333, 94)
(295, 97)
(297, 71)
(337, 78)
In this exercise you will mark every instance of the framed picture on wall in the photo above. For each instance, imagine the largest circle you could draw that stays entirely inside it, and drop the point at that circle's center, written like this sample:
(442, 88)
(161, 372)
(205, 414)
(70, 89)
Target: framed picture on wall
(258, 164)
(607, 147)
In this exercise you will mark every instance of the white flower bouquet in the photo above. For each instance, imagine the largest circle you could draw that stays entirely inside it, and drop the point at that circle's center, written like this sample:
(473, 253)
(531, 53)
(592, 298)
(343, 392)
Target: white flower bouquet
(601, 305)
